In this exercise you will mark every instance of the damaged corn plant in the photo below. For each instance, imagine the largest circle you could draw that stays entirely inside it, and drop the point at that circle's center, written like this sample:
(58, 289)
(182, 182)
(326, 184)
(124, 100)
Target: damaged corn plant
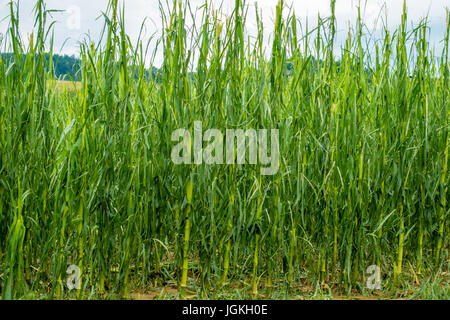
(86, 176)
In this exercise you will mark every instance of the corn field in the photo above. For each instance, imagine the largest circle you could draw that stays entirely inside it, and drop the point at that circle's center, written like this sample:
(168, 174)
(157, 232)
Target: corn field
(86, 177)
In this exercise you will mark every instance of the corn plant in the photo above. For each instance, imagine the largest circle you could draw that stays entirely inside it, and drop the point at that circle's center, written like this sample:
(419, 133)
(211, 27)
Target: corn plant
(86, 175)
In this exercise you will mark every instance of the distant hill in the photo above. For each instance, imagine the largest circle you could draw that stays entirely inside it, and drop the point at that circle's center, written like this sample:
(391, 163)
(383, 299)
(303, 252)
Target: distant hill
(67, 67)
(64, 67)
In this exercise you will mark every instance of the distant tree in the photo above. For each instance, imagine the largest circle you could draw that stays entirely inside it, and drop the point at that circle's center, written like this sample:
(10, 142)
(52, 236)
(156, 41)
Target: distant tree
(64, 67)
(67, 67)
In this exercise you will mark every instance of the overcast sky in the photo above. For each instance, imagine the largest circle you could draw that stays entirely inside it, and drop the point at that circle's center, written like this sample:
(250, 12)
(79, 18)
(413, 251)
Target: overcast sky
(83, 17)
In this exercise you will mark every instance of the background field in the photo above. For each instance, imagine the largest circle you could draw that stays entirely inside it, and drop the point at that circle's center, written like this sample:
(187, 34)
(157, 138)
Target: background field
(86, 176)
